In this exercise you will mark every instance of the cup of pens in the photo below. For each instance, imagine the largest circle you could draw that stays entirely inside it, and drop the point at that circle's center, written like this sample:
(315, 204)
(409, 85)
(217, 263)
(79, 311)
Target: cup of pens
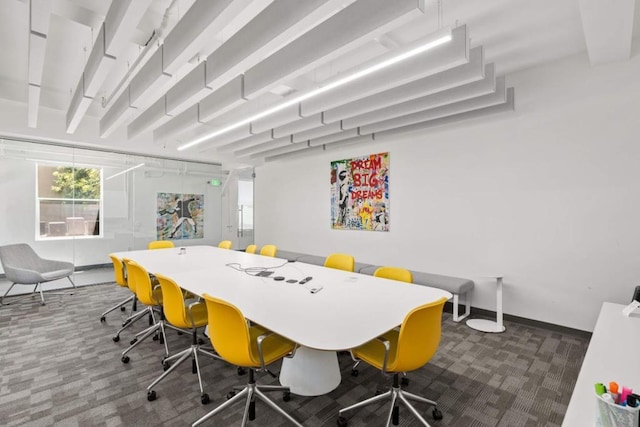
(617, 406)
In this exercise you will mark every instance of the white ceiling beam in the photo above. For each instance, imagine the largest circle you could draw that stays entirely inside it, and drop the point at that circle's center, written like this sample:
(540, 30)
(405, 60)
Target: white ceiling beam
(185, 121)
(460, 93)
(120, 111)
(338, 136)
(345, 30)
(223, 99)
(295, 154)
(435, 60)
(155, 115)
(327, 129)
(39, 17)
(246, 142)
(78, 106)
(507, 105)
(305, 123)
(275, 151)
(462, 74)
(479, 102)
(265, 146)
(280, 118)
(187, 36)
(72, 11)
(274, 27)
(145, 84)
(34, 104)
(120, 22)
(608, 29)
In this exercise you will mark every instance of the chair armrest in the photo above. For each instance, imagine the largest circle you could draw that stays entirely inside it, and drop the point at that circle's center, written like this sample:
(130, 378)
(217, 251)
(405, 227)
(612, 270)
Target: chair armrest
(22, 275)
(387, 347)
(190, 311)
(260, 339)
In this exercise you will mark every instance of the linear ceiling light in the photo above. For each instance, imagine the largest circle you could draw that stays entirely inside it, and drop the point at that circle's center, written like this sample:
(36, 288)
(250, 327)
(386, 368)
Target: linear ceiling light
(125, 171)
(439, 40)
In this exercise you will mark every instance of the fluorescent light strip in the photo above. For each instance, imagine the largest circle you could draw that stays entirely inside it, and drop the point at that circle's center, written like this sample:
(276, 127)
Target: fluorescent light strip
(337, 83)
(125, 171)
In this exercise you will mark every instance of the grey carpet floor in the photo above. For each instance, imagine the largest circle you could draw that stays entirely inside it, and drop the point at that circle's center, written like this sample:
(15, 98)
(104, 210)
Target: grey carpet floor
(60, 367)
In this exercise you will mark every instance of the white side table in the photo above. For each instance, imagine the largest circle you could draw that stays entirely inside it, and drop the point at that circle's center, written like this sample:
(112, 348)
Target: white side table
(490, 325)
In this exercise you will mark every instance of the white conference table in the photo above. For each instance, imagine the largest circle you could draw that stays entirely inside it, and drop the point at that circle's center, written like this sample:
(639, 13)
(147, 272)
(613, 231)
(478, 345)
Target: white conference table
(348, 310)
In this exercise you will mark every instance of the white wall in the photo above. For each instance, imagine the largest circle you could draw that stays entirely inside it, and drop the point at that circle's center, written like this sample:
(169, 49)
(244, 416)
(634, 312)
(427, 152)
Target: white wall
(547, 195)
(129, 205)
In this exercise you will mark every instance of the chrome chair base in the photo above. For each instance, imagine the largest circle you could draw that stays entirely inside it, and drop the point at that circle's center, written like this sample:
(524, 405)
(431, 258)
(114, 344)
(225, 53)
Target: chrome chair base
(250, 392)
(191, 352)
(395, 394)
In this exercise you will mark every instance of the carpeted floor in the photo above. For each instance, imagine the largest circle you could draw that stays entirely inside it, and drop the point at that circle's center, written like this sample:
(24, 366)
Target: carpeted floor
(60, 366)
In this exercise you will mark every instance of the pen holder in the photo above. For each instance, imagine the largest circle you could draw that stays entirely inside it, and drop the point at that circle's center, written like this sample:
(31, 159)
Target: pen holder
(612, 415)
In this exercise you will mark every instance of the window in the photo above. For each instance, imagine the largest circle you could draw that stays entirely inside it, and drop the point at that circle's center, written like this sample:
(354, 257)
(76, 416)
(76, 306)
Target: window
(69, 201)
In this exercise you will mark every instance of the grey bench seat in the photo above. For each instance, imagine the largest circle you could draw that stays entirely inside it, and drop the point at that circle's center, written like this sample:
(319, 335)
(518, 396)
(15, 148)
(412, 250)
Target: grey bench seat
(456, 285)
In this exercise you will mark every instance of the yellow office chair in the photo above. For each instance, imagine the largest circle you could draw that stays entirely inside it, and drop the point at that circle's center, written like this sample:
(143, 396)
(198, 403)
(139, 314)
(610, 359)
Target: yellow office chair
(121, 280)
(225, 244)
(269, 250)
(249, 346)
(160, 244)
(399, 351)
(184, 315)
(151, 296)
(394, 273)
(251, 249)
(340, 261)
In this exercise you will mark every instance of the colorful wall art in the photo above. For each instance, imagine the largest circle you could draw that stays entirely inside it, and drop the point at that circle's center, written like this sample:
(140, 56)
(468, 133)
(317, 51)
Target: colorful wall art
(180, 216)
(360, 193)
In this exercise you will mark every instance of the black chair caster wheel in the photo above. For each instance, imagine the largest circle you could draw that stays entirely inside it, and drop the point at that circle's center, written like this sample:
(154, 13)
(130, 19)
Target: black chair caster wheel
(200, 341)
(342, 422)
(151, 395)
(102, 319)
(133, 341)
(252, 411)
(354, 372)
(116, 338)
(286, 396)
(404, 381)
(155, 337)
(165, 365)
(230, 394)
(125, 359)
(395, 415)
(241, 371)
(436, 414)
(205, 399)
(122, 308)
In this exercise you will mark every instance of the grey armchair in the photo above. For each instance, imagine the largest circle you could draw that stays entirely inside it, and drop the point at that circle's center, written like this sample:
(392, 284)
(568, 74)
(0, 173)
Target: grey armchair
(23, 266)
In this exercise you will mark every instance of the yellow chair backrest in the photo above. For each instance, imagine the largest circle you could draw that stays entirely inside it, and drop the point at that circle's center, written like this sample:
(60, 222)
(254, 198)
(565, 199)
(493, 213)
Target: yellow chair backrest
(173, 304)
(340, 261)
(229, 333)
(142, 285)
(160, 244)
(251, 249)
(269, 250)
(418, 338)
(118, 270)
(225, 244)
(394, 273)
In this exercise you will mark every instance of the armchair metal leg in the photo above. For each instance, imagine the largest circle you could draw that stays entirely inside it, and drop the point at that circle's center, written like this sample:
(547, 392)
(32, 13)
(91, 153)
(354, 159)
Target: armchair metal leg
(36, 289)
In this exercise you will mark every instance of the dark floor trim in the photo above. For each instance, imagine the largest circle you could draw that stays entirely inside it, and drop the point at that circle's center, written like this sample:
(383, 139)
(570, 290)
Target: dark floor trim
(481, 312)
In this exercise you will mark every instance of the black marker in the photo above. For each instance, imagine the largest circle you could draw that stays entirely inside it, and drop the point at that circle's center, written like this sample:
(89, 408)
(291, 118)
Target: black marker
(305, 280)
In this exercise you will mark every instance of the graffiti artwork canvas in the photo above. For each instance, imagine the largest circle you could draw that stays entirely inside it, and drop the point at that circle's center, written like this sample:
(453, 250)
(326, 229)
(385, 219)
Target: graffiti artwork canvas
(180, 216)
(360, 193)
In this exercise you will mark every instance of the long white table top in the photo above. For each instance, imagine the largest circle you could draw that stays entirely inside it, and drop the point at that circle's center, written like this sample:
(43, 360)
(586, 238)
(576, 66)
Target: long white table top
(612, 356)
(348, 310)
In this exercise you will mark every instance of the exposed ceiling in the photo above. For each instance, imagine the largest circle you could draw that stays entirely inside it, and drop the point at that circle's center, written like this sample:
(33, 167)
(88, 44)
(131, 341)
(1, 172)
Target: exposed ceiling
(153, 76)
